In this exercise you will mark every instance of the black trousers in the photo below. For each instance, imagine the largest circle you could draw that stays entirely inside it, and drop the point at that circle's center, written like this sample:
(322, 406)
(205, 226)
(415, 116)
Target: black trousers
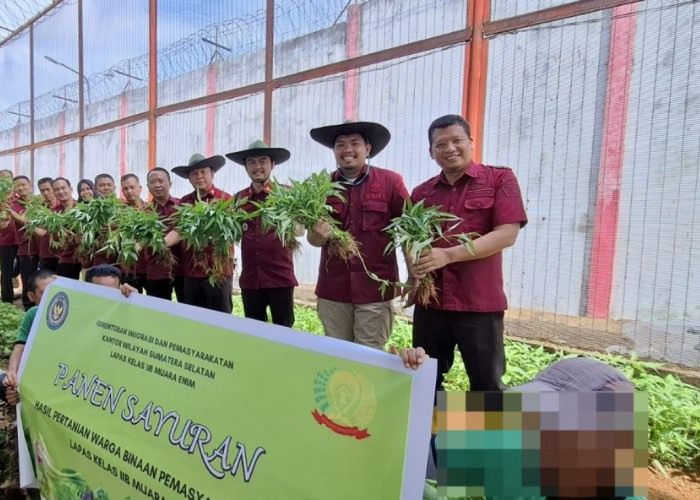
(280, 301)
(138, 281)
(479, 337)
(7, 264)
(198, 292)
(28, 265)
(50, 263)
(163, 289)
(69, 270)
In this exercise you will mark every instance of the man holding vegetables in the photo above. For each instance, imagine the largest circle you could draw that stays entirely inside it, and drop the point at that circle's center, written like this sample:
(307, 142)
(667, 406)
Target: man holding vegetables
(199, 291)
(267, 278)
(469, 307)
(350, 303)
(160, 281)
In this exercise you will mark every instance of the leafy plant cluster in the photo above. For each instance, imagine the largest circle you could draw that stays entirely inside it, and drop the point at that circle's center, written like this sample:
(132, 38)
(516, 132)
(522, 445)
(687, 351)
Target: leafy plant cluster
(211, 229)
(415, 231)
(136, 230)
(7, 187)
(10, 318)
(95, 222)
(305, 203)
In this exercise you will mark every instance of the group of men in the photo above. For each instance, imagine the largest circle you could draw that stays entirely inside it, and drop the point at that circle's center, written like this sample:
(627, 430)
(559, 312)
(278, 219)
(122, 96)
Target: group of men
(470, 303)
(469, 307)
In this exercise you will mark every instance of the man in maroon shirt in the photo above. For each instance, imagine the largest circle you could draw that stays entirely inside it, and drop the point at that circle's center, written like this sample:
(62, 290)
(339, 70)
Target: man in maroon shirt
(47, 259)
(68, 263)
(8, 248)
(27, 244)
(267, 278)
(350, 304)
(131, 189)
(104, 185)
(198, 291)
(468, 311)
(160, 280)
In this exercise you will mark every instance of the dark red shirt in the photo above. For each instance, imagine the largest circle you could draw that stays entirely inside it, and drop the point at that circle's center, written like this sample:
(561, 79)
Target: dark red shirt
(190, 266)
(485, 197)
(66, 254)
(369, 206)
(154, 270)
(8, 235)
(26, 244)
(266, 263)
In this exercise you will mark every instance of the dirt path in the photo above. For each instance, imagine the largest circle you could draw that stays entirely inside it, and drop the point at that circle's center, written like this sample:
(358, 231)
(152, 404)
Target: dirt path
(677, 486)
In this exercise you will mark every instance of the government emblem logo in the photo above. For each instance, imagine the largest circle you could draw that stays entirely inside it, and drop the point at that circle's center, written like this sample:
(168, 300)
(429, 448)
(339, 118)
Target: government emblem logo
(346, 402)
(57, 311)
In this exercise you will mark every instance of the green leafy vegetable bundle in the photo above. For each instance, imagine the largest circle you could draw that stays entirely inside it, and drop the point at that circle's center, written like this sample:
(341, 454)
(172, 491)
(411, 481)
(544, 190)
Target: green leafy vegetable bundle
(305, 203)
(94, 222)
(136, 230)
(415, 231)
(210, 229)
(55, 223)
(7, 187)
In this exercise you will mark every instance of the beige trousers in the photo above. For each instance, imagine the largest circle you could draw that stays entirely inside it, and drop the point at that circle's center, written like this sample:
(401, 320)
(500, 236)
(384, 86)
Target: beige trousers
(366, 324)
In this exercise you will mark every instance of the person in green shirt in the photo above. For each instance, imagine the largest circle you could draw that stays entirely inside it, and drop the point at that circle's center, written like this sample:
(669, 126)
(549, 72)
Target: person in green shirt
(36, 284)
(102, 274)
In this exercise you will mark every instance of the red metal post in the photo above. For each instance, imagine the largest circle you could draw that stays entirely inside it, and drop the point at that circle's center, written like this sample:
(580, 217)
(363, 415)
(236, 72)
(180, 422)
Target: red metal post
(352, 50)
(152, 80)
(604, 248)
(15, 134)
(475, 62)
(123, 112)
(61, 145)
(81, 91)
(269, 59)
(212, 71)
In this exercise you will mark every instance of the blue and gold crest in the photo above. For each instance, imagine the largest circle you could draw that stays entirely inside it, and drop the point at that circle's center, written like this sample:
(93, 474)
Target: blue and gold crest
(57, 311)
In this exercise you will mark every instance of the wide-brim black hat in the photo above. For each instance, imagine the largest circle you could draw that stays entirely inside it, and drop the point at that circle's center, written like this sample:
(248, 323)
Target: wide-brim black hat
(374, 133)
(260, 148)
(199, 161)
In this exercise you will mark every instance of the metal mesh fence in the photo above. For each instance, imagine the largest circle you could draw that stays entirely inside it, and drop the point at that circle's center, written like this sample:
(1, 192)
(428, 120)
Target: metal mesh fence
(598, 115)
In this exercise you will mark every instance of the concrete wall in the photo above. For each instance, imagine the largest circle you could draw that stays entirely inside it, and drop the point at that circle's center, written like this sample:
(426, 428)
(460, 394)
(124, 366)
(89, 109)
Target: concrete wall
(546, 89)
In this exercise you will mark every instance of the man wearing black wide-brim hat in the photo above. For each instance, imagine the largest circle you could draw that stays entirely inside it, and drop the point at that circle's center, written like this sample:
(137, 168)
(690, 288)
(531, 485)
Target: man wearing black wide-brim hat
(197, 289)
(350, 304)
(267, 275)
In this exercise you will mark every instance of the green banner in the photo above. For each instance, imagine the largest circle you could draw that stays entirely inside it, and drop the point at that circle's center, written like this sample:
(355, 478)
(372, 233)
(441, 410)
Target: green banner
(144, 398)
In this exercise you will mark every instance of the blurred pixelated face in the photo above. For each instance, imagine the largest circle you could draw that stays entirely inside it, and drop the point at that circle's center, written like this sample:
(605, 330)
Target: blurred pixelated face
(159, 184)
(46, 190)
(452, 149)
(259, 168)
(62, 191)
(23, 187)
(108, 281)
(85, 192)
(105, 186)
(131, 189)
(351, 152)
(201, 178)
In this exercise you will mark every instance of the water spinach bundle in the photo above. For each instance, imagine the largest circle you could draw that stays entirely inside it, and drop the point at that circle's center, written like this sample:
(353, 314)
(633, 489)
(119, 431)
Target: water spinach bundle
(7, 190)
(55, 223)
(415, 231)
(136, 230)
(94, 223)
(211, 229)
(306, 203)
